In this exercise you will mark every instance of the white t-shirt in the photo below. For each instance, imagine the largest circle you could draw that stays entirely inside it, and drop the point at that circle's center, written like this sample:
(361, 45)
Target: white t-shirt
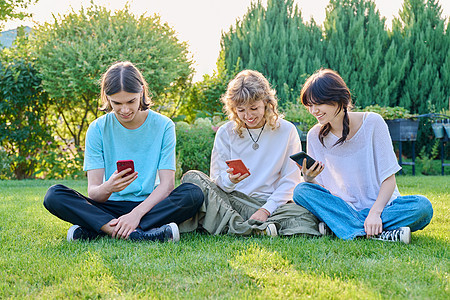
(355, 170)
(273, 174)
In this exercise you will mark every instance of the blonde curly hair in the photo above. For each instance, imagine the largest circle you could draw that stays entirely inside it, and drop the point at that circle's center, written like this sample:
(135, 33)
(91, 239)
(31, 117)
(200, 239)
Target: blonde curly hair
(248, 87)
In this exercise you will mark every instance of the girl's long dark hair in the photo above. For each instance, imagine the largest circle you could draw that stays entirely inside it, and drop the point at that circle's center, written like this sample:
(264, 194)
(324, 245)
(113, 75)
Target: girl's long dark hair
(325, 86)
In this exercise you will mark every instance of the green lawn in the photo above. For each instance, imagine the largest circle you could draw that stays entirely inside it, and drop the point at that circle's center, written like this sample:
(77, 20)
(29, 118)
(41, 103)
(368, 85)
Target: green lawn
(37, 262)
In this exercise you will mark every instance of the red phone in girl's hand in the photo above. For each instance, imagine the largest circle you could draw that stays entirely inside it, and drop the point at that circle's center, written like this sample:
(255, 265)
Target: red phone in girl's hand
(238, 166)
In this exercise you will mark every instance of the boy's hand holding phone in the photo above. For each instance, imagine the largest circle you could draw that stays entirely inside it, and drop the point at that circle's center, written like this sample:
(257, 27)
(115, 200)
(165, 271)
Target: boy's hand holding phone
(123, 176)
(237, 170)
(123, 165)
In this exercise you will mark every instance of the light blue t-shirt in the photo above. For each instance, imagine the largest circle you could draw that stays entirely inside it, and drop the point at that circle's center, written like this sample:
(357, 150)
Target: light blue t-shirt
(151, 147)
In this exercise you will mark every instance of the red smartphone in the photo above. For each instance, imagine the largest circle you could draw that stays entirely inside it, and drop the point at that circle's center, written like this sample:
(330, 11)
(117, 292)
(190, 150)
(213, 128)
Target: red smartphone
(238, 166)
(125, 164)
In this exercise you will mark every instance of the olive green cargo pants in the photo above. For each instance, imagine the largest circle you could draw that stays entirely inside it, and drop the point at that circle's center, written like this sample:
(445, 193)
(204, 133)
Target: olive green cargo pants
(229, 213)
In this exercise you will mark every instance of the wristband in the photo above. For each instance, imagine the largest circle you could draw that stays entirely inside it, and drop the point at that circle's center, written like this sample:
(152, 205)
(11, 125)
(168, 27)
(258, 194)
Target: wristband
(265, 211)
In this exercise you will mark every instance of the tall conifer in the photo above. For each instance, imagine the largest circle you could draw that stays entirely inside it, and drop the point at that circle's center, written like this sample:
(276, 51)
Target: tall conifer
(276, 42)
(355, 46)
(423, 30)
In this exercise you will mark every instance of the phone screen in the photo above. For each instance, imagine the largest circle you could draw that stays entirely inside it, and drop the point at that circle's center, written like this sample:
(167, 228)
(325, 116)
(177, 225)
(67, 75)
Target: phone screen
(298, 158)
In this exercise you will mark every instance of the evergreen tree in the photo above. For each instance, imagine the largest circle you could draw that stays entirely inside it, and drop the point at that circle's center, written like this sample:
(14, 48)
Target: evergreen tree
(423, 31)
(275, 42)
(356, 43)
(392, 72)
(445, 74)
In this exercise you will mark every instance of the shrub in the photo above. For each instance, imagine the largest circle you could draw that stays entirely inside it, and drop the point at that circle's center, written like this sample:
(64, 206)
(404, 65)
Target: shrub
(24, 127)
(294, 112)
(194, 146)
(388, 113)
(426, 160)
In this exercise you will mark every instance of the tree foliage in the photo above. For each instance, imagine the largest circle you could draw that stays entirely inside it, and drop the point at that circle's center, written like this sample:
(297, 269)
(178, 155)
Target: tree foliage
(356, 46)
(407, 66)
(422, 30)
(204, 97)
(14, 9)
(276, 42)
(74, 50)
(24, 133)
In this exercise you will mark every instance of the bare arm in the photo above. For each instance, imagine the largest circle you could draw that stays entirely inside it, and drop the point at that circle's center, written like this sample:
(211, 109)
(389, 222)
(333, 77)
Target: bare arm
(100, 191)
(373, 224)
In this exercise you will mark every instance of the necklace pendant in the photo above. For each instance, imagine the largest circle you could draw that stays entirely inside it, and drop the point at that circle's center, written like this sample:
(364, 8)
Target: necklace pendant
(255, 146)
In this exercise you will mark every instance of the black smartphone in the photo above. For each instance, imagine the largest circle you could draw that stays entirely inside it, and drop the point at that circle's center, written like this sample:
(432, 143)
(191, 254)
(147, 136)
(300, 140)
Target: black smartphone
(298, 158)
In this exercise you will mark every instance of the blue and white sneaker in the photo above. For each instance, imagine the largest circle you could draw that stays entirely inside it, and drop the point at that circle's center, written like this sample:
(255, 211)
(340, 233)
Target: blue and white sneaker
(403, 235)
(165, 233)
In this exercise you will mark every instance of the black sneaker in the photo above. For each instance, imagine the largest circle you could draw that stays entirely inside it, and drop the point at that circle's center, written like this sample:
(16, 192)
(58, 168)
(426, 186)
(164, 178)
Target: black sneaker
(77, 232)
(165, 233)
(403, 235)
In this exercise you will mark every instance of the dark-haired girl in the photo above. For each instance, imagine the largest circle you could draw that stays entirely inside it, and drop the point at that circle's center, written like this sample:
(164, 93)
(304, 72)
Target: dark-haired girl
(124, 204)
(351, 187)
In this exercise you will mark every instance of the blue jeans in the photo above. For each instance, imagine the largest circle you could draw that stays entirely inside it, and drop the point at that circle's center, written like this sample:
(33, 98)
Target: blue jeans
(413, 211)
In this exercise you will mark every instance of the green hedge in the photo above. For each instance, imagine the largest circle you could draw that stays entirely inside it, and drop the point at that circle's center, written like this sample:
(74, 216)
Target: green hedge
(194, 146)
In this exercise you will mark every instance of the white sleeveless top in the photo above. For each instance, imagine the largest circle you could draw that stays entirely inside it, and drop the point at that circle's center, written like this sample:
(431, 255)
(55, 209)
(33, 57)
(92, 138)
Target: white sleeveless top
(355, 170)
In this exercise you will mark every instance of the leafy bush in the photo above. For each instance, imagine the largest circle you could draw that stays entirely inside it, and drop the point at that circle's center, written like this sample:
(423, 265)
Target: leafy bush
(294, 112)
(388, 113)
(60, 161)
(426, 160)
(5, 163)
(24, 130)
(194, 145)
(203, 97)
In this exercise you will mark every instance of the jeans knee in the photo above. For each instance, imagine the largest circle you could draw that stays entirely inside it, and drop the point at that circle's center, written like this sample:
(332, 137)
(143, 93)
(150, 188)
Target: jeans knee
(299, 192)
(426, 209)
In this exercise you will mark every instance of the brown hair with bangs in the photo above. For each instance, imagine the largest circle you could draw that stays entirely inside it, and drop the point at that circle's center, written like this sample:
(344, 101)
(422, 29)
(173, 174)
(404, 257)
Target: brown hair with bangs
(123, 76)
(325, 86)
(246, 88)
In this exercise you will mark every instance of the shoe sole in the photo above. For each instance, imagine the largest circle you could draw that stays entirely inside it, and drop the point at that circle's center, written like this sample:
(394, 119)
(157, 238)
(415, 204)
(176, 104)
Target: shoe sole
(271, 230)
(322, 229)
(71, 231)
(175, 232)
(407, 235)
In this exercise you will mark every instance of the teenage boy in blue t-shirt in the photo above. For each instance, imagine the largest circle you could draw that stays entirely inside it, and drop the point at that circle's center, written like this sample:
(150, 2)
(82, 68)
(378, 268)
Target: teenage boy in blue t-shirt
(142, 205)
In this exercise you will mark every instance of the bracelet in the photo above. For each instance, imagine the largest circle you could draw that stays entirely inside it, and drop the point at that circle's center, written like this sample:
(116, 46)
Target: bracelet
(265, 211)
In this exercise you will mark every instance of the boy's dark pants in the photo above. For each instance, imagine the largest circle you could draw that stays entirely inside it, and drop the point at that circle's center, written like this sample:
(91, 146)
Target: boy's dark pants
(71, 206)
